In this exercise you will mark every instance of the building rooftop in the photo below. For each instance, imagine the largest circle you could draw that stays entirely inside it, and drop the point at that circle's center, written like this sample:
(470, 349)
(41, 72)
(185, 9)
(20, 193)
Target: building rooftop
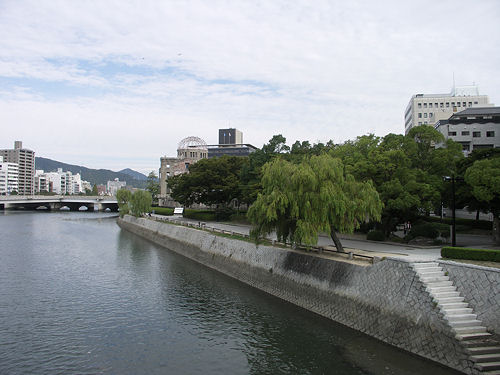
(478, 111)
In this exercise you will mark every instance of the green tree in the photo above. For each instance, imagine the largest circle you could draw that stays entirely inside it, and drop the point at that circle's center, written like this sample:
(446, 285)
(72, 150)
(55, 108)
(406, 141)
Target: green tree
(316, 195)
(94, 190)
(123, 198)
(484, 178)
(153, 186)
(214, 181)
(140, 203)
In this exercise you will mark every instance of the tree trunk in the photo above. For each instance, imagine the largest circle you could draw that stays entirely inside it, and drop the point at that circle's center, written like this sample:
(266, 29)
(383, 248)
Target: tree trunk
(496, 229)
(336, 240)
(477, 215)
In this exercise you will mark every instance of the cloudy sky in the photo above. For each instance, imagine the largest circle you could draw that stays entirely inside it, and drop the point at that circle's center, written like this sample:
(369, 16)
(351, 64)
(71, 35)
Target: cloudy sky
(116, 84)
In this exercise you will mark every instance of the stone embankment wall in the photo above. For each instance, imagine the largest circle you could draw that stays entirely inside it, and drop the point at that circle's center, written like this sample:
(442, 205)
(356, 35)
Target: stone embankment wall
(481, 288)
(386, 300)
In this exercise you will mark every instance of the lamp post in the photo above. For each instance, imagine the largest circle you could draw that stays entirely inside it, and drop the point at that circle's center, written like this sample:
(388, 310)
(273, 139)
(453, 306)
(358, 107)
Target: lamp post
(453, 221)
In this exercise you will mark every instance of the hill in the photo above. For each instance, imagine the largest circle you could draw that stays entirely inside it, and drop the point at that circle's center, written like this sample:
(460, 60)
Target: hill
(134, 174)
(94, 176)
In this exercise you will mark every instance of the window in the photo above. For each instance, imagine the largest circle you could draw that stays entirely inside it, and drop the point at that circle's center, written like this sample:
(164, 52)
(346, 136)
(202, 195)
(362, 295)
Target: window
(430, 115)
(458, 104)
(464, 104)
(470, 104)
(420, 115)
(453, 104)
(425, 122)
(419, 105)
(451, 134)
(466, 147)
(441, 105)
(475, 102)
(436, 105)
(430, 105)
(476, 134)
(447, 104)
(425, 115)
(425, 105)
(465, 133)
(420, 122)
(490, 133)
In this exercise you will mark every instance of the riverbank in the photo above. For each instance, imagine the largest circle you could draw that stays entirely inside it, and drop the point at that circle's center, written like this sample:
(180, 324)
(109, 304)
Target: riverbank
(386, 300)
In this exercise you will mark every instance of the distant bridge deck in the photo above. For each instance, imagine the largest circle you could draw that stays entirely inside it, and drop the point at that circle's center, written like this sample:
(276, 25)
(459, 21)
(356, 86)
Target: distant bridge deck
(56, 202)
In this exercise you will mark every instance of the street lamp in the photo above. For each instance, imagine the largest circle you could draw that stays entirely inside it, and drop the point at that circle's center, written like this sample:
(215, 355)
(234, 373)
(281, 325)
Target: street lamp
(453, 178)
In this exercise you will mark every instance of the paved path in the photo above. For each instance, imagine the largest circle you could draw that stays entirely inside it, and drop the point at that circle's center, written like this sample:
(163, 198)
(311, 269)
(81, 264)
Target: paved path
(401, 251)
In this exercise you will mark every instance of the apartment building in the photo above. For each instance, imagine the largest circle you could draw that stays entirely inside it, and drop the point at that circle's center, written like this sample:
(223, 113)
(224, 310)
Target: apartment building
(473, 128)
(60, 182)
(428, 109)
(25, 159)
(9, 177)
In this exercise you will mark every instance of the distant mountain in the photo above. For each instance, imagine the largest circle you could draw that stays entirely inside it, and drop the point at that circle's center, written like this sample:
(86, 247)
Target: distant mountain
(94, 176)
(134, 174)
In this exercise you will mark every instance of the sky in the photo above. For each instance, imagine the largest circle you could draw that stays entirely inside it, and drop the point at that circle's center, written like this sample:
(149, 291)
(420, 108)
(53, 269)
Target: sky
(118, 84)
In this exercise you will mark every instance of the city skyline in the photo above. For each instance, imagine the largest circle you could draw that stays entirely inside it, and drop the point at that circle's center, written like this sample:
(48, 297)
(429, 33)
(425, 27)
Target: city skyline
(117, 85)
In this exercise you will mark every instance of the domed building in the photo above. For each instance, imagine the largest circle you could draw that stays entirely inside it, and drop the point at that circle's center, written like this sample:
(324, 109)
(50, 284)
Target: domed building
(189, 151)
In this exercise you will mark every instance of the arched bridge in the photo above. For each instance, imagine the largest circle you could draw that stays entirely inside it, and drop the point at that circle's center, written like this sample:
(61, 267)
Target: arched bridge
(56, 202)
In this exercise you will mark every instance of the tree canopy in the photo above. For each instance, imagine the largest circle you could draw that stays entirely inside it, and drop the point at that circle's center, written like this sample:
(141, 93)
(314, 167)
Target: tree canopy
(316, 195)
(212, 181)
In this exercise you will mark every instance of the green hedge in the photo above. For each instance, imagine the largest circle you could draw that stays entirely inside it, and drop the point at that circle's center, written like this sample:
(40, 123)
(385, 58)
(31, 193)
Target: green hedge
(470, 254)
(471, 223)
(163, 210)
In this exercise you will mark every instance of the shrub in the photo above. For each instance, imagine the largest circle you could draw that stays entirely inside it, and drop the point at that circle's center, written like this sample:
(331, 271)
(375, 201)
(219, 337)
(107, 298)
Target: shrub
(163, 210)
(366, 227)
(471, 254)
(471, 223)
(223, 213)
(375, 235)
(201, 215)
(427, 230)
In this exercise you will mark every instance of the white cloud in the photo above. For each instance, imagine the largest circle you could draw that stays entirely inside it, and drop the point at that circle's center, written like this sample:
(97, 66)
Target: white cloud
(311, 71)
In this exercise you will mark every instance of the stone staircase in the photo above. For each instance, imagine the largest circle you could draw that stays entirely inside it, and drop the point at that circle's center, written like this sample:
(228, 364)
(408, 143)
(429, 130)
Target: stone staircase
(483, 351)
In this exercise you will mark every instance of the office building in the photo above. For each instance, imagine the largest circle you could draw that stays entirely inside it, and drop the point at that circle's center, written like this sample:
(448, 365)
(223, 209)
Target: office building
(113, 186)
(9, 177)
(25, 159)
(231, 144)
(473, 128)
(428, 109)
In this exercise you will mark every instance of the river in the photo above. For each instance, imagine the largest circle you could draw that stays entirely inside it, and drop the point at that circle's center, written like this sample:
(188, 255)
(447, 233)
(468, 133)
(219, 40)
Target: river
(80, 296)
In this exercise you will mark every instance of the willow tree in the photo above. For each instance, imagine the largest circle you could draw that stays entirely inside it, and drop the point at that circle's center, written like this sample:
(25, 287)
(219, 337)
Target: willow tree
(299, 201)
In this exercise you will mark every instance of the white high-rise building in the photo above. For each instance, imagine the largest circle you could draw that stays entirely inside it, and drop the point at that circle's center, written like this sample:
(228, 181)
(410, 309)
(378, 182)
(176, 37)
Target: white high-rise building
(25, 159)
(427, 109)
(58, 182)
(115, 185)
(9, 177)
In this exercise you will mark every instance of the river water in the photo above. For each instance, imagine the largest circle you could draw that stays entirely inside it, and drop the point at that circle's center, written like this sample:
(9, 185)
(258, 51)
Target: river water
(80, 296)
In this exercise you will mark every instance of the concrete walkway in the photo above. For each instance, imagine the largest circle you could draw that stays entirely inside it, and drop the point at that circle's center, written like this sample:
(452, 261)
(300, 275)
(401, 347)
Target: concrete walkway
(401, 251)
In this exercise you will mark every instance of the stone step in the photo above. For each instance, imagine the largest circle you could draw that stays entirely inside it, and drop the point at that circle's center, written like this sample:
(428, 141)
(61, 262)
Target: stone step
(492, 372)
(484, 350)
(439, 295)
(469, 330)
(460, 317)
(487, 366)
(438, 284)
(482, 358)
(425, 265)
(434, 279)
(453, 305)
(430, 272)
(450, 300)
(441, 289)
(482, 341)
(459, 311)
(465, 323)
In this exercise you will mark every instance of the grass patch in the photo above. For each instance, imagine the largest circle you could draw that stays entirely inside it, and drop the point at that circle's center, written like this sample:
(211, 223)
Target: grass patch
(471, 254)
